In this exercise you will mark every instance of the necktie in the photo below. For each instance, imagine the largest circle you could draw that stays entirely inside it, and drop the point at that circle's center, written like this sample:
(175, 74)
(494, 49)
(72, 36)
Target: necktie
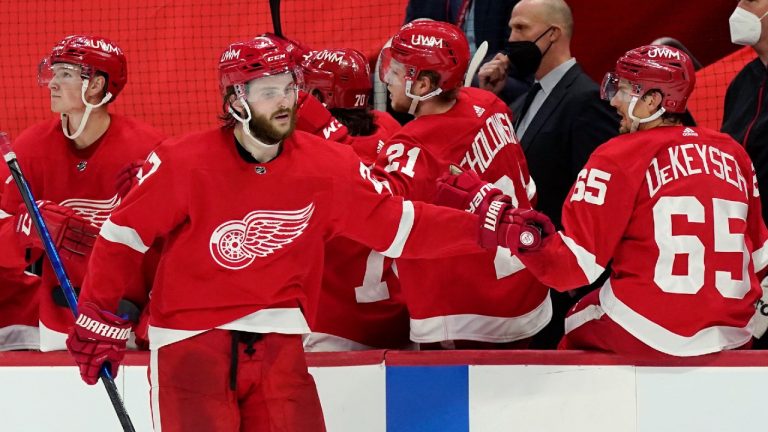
(532, 92)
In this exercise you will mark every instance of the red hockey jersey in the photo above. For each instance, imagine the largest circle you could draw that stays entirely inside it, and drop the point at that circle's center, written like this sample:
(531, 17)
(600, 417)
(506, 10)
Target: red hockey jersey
(18, 296)
(484, 296)
(368, 147)
(81, 179)
(678, 211)
(360, 305)
(244, 240)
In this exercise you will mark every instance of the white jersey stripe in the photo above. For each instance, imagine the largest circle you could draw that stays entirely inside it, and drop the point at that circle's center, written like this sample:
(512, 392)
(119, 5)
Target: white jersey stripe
(760, 257)
(708, 340)
(123, 235)
(586, 260)
(530, 188)
(578, 319)
(4, 215)
(482, 327)
(403, 231)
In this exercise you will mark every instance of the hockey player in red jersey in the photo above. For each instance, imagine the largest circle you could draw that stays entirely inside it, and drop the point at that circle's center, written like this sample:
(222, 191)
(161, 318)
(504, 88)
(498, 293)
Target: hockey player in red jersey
(246, 210)
(479, 300)
(18, 296)
(341, 80)
(313, 116)
(71, 164)
(360, 305)
(675, 209)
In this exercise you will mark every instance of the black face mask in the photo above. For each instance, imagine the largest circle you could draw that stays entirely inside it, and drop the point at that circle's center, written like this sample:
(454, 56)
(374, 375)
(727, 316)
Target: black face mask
(525, 56)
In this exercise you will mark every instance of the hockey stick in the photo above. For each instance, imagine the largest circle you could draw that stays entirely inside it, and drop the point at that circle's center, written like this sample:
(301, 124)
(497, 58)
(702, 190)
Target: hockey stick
(474, 64)
(274, 8)
(58, 268)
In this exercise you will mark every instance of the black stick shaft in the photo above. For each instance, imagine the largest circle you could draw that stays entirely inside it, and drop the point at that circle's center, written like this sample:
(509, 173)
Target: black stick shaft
(274, 7)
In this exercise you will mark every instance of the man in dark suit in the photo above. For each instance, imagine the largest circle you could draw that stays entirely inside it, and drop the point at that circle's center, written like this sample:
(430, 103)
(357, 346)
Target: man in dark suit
(565, 119)
(559, 122)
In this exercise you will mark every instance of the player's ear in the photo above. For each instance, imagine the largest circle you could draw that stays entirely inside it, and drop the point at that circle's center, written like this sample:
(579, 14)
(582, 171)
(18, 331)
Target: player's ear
(96, 88)
(235, 102)
(425, 83)
(653, 99)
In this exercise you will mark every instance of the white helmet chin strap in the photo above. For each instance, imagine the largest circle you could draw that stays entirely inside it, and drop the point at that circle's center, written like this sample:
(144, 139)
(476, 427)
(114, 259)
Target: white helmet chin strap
(88, 108)
(636, 121)
(261, 146)
(416, 99)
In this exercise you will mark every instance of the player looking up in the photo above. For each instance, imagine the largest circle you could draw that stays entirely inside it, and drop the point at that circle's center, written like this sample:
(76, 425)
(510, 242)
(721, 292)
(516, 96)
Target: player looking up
(71, 164)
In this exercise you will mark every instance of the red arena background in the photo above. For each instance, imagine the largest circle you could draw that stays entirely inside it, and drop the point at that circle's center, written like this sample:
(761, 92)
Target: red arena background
(173, 46)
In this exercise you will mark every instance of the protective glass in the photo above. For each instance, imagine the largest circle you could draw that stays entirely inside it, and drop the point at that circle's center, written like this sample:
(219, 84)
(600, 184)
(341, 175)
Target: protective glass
(272, 89)
(63, 73)
(609, 87)
(390, 70)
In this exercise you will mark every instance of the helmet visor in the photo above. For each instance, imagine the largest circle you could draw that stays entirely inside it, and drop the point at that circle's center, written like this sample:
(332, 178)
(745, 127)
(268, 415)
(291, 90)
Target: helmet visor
(609, 87)
(62, 73)
(390, 70)
(272, 88)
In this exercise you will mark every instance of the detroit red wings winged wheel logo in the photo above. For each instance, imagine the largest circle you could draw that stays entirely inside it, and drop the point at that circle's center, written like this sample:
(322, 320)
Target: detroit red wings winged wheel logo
(235, 244)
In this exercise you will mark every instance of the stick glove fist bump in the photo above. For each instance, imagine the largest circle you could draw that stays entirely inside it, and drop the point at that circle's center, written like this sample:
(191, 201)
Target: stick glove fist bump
(501, 224)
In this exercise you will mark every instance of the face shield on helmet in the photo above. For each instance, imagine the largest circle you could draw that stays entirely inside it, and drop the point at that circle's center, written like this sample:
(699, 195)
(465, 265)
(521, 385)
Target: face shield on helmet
(611, 87)
(63, 73)
(271, 89)
(391, 71)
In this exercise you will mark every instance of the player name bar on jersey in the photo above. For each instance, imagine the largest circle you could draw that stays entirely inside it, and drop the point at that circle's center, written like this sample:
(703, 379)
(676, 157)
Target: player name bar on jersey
(479, 157)
(691, 159)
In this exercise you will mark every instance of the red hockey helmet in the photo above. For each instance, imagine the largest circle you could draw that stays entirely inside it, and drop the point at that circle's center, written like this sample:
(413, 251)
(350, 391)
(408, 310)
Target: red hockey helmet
(654, 67)
(430, 45)
(342, 76)
(296, 50)
(93, 54)
(249, 60)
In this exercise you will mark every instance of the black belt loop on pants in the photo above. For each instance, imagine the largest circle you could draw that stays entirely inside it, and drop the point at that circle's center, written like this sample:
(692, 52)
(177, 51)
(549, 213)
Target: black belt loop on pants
(241, 337)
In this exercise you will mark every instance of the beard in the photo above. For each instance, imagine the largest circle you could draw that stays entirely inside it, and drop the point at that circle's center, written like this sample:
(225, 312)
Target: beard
(263, 129)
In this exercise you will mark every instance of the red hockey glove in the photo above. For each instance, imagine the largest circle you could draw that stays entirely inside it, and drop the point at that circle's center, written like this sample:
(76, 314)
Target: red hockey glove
(72, 235)
(465, 191)
(96, 338)
(513, 228)
(126, 179)
(313, 117)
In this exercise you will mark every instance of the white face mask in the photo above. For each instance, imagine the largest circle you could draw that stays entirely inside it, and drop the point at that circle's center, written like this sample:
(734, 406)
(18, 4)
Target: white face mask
(745, 27)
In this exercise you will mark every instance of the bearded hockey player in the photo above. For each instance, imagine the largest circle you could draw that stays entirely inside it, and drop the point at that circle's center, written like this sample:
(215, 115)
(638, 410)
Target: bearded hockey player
(246, 210)
(677, 211)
